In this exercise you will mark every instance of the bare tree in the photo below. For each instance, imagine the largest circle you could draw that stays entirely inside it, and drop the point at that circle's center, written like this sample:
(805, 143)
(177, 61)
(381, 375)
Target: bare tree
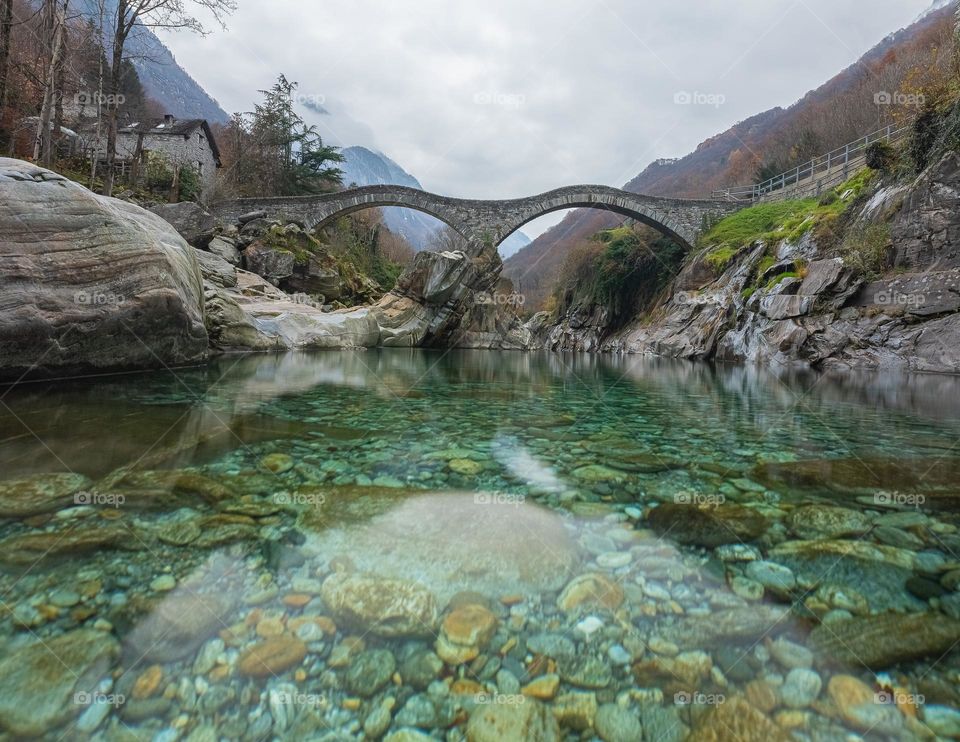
(159, 14)
(55, 24)
(6, 26)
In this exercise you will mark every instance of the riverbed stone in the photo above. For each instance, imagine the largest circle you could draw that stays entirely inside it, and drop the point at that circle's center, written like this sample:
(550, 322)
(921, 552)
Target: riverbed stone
(384, 607)
(801, 688)
(591, 590)
(464, 631)
(370, 671)
(882, 641)
(496, 722)
(709, 526)
(272, 656)
(735, 720)
(856, 703)
(461, 542)
(38, 680)
(40, 493)
(826, 521)
(616, 724)
(179, 624)
(421, 668)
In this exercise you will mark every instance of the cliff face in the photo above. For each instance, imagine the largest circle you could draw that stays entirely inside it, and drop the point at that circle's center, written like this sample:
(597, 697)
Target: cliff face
(806, 302)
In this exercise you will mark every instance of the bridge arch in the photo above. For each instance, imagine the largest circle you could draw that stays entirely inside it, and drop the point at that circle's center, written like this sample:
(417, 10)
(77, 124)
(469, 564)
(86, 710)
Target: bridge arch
(617, 203)
(487, 223)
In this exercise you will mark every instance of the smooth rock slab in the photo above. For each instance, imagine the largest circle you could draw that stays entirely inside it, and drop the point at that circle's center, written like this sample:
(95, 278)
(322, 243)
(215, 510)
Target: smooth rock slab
(38, 681)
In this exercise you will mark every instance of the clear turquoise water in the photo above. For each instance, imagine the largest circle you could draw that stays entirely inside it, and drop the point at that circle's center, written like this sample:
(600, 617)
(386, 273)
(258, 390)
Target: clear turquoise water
(505, 476)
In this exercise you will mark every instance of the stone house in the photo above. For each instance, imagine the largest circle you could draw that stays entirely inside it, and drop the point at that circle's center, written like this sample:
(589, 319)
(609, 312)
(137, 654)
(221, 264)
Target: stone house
(182, 142)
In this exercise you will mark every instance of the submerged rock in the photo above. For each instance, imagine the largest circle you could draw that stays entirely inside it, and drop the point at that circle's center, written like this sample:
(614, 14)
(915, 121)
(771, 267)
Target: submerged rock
(385, 607)
(464, 632)
(452, 542)
(178, 625)
(46, 683)
(735, 720)
(708, 526)
(526, 720)
(41, 493)
(824, 521)
(591, 590)
(69, 541)
(272, 656)
(879, 642)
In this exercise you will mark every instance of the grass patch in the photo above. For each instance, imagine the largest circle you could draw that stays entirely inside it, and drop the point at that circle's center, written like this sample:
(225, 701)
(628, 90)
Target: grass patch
(780, 220)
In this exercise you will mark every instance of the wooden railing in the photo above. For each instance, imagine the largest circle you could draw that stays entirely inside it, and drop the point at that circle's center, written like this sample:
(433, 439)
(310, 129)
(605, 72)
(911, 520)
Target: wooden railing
(814, 177)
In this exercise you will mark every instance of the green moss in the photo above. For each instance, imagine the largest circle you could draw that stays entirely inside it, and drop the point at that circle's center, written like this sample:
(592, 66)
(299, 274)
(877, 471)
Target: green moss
(748, 292)
(780, 278)
(780, 220)
(721, 257)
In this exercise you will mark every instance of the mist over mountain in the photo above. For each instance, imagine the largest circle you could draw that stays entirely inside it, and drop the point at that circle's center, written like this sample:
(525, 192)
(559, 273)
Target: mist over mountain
(364, 167)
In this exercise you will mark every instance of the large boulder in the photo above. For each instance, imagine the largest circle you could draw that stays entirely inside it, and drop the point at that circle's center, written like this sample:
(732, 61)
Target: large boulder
(272, 263)
(191, 221)
(89, 283)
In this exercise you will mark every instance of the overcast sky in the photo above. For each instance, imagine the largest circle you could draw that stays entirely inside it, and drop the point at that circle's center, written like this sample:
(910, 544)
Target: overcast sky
(508, 98)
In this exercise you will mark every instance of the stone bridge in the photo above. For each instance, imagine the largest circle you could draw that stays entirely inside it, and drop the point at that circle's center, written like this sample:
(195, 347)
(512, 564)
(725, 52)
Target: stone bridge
(488, 223)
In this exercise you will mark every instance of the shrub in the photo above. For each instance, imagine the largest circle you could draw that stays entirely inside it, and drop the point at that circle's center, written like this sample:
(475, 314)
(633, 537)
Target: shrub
(867, 249)
(828, 198)
(880, 156)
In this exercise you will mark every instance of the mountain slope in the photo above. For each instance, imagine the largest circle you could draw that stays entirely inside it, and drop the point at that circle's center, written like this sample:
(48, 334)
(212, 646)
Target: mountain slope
(838, 112)
(162, 77)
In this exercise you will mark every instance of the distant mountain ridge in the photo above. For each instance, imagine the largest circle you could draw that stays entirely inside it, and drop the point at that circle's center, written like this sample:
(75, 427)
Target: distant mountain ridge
(364, 167)
(161, 76)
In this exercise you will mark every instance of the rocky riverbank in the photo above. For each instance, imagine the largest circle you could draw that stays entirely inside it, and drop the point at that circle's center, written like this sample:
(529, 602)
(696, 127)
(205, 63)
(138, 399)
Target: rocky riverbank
(784, 301)
(94, 284)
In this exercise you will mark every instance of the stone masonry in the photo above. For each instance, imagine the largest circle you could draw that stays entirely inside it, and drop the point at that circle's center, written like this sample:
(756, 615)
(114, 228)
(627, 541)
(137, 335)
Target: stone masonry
(488, 223)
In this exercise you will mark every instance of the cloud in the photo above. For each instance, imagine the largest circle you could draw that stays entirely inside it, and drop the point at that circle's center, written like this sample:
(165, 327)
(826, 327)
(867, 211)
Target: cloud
(506, 98)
